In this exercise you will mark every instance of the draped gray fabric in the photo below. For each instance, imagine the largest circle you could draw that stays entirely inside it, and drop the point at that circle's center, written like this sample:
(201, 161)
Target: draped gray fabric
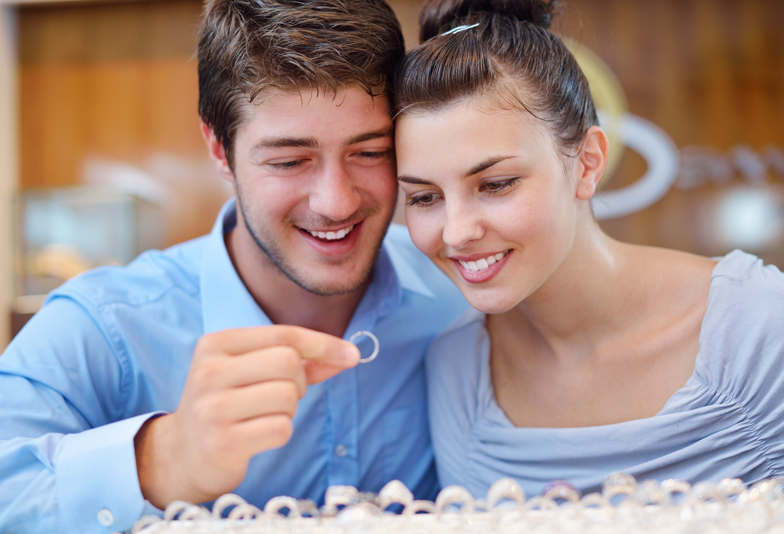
(727, 420)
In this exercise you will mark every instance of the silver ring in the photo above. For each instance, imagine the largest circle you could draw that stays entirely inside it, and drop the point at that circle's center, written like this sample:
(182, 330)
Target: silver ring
(376, 345)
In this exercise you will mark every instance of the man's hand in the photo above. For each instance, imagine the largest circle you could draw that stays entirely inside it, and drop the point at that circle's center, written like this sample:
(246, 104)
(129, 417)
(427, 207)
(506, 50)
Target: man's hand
(239, 399)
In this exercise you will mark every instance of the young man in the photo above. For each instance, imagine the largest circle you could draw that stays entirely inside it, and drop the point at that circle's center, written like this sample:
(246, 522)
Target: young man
(175, 377)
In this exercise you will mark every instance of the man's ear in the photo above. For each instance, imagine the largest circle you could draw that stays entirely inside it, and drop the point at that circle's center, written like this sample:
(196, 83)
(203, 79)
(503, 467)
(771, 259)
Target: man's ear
(217, 153)
(592, 161)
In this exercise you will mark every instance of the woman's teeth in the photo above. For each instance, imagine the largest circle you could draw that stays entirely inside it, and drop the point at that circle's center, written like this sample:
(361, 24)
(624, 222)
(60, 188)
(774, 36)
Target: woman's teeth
(484, 263)
(332, 236)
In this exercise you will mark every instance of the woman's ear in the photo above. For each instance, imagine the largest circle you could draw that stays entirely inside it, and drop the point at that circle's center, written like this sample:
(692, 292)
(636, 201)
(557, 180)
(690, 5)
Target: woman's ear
(217, 153)
(592, 161)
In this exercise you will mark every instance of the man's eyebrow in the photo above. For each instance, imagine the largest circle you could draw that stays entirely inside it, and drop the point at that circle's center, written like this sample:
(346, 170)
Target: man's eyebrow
(311, 142)
(486, 164)
(286, 142)
(369, 136)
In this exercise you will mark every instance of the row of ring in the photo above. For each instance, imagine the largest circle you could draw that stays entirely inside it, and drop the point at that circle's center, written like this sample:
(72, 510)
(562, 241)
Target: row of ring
(395, 492)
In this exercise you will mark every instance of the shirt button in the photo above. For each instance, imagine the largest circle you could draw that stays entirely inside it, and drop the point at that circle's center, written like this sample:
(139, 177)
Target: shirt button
(105, 517)
(341, 450)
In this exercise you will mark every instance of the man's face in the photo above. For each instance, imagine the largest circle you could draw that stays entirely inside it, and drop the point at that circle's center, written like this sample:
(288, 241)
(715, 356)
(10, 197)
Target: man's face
(315, 182)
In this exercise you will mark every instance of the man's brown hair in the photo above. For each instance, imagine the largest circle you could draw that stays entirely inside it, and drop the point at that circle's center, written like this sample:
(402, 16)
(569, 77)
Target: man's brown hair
(248, 46)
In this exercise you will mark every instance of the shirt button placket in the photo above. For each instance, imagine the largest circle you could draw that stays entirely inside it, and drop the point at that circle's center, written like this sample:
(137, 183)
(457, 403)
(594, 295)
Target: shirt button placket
(344, 411)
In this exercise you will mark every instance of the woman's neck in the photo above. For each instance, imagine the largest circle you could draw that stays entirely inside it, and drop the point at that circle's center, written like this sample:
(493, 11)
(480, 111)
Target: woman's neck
(610, 337)
(583, 302)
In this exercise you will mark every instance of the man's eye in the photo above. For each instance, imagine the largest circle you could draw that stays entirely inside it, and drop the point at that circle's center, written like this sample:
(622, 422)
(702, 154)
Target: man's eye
(375, 154)
(286, 165)
(422, 200)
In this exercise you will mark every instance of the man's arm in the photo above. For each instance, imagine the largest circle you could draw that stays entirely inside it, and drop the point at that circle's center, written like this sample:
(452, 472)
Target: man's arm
(68, 460)
(239, 400)
(64, 458)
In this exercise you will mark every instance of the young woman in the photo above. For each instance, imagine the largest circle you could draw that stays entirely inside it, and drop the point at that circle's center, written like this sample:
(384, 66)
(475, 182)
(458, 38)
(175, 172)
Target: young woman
(585, 355)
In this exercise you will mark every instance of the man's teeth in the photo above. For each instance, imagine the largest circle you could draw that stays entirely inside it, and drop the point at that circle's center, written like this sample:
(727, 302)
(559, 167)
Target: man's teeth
(484, 263)
(332, 236)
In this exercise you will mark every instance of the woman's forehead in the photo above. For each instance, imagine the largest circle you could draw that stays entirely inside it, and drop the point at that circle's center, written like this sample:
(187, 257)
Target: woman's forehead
(474, 127)
(458, 140)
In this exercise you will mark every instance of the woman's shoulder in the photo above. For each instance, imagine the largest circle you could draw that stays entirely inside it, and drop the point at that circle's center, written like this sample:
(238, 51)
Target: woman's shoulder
(742, 345)
(472, 319)
(739, 268)
(742, 336)
(746, 291)
(738, 285)
(457, 355)
(456, 339)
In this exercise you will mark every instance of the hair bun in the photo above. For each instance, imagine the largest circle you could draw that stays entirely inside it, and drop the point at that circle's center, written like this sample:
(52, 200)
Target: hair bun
(438, 16)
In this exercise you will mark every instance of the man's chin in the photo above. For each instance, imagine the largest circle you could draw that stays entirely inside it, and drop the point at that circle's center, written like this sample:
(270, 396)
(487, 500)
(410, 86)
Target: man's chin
(333, 287)
(332, 276)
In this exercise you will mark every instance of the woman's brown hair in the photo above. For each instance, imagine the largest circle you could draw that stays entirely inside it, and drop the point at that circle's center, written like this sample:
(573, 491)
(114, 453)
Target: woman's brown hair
(501, 52)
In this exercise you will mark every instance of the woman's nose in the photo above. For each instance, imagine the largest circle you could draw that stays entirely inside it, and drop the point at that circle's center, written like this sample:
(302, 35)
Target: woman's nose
(462, 226)
(334, 195)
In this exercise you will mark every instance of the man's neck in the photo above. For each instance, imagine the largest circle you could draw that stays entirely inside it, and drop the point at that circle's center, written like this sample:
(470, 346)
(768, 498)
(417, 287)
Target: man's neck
(282, 300)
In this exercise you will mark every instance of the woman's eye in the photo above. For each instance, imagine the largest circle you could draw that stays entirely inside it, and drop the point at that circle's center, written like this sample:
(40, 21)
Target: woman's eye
(422, 200)
(500, 185)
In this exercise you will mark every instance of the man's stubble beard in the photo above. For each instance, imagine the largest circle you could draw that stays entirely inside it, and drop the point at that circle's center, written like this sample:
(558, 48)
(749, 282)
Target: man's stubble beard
(273, 251)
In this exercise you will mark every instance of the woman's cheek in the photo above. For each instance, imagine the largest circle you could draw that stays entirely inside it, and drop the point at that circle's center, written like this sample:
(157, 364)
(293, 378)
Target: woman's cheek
(425, 237)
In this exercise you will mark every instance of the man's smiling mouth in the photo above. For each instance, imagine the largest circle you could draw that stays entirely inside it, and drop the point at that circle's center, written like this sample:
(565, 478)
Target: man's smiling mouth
(331, 235)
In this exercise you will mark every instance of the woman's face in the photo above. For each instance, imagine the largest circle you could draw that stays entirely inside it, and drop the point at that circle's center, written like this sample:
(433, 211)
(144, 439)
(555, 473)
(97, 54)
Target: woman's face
(489, 199)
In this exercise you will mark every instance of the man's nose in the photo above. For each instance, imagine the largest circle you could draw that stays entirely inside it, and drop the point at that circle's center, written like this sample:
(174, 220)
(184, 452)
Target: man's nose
(463, 224)
(334, 195)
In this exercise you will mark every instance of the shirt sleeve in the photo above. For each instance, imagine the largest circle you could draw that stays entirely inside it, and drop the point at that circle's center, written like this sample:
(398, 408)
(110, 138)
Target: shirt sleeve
(453, 366)
(67, 460)
(743, 336)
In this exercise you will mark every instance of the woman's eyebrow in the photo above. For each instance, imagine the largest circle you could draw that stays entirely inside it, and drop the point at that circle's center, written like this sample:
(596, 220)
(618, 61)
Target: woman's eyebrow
(412, 180)
(476, 169)
(486, 164)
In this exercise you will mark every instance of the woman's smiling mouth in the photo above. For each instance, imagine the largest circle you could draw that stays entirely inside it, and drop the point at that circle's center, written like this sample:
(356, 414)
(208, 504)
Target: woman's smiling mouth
(482, 263)
(482, 268)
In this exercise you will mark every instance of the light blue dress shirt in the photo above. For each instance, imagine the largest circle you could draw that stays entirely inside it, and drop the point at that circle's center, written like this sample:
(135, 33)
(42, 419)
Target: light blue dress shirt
(726, 421)
(113, 346)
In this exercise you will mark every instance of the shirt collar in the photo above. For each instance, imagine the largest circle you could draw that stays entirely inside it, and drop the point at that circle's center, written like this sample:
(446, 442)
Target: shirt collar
(406, 273)
(226, 302)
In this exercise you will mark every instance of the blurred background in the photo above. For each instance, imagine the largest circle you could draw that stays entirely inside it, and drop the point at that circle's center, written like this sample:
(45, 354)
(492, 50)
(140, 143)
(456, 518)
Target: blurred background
(101, 156)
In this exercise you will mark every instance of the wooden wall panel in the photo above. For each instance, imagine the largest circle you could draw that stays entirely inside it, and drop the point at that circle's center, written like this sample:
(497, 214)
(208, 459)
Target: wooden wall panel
(707, 71)
(710, 73)
(8, 163)
(118, 80)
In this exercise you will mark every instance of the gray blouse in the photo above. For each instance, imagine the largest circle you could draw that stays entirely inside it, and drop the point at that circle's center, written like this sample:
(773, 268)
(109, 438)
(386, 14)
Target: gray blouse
(726, 421)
